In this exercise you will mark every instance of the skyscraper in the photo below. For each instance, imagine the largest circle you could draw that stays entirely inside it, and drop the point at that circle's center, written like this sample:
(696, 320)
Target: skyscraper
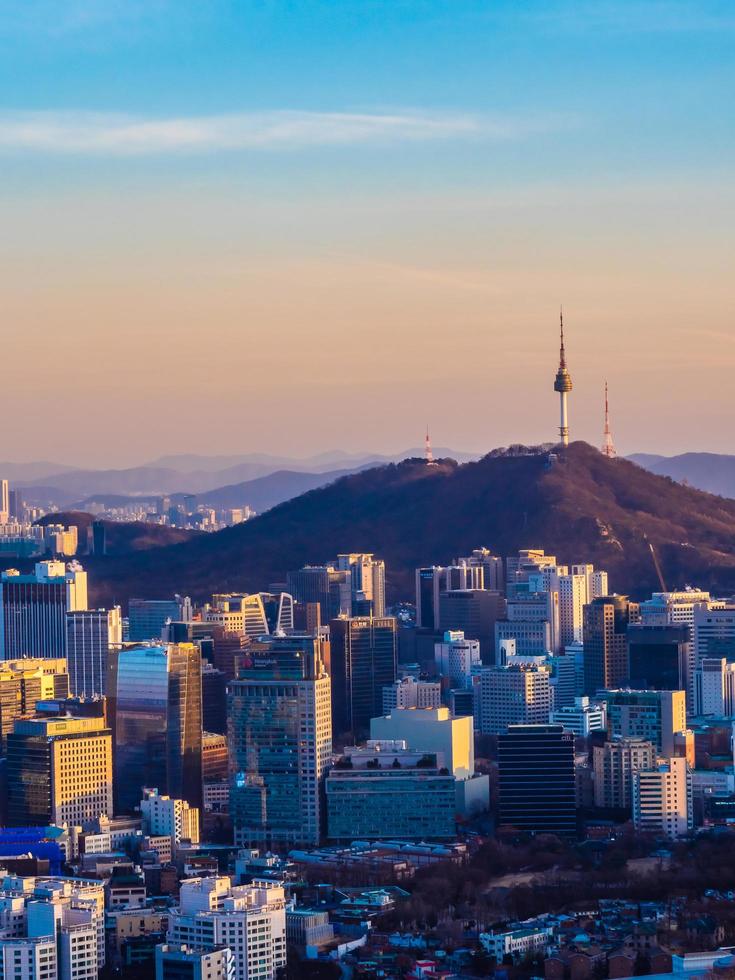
(513, 695)
(536, 780)
(33, 608)
(155, 707)
(59, 771)
(662, 799)
(147, 617)
(658, 657)
(280, 740)
(364, 660)
(90, 635)
(4, 502)
(653, 715)
(606, 623)
(24, 682)
(367, 583)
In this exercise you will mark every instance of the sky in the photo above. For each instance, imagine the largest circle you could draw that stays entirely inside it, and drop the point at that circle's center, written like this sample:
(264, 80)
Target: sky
(299, 226)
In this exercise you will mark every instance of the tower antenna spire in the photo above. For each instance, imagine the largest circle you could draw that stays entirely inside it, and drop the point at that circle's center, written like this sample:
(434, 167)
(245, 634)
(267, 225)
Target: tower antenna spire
(563, 385)
(608, 446)
(428, 454)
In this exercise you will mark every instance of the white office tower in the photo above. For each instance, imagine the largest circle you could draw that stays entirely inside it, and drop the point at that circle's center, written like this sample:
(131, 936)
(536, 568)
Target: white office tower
(662, 799)
(33, 608)
(575, 590)
(529, 560)
(582, 718)
(408, 692)
(596, 581)
(517, 694)
(90, 635)
(491, 566)
(250, 919)
(457, 658)
(614, 765)
(29, 958)
(76, 929)
(164, 817)
(714, 687)
(4, 502)
(367, 580)
(565, 681)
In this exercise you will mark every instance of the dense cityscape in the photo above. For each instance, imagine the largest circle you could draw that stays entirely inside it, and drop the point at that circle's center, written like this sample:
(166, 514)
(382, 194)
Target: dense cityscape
(515, 771)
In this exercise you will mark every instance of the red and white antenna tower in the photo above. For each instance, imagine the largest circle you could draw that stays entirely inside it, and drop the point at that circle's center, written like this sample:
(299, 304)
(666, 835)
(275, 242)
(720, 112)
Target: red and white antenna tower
(608, 446)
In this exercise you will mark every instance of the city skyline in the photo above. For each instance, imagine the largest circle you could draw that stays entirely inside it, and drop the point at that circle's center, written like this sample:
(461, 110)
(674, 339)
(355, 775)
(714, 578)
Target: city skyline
(399, 195)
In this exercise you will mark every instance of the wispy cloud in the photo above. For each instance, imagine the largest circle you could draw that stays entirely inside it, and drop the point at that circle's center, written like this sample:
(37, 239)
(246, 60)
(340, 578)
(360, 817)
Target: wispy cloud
(117, 135)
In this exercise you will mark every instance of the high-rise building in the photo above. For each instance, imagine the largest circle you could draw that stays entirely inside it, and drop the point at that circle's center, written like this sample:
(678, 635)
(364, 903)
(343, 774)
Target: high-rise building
(33, 608)
(513, 695)
(615, 763)
(431, 730)
(536, 780)
(457, 658)
(367, 583)
(250, 919)
(531, 638)
(164, 817)
(214, 699)
(59, 771)
(714, 687)
(473, 612)
(662, 799)
(147, 617)
(90, 635)
(330, 587)
(29, 958)
(408, 692)
(364, 660)
(280, 739)
(606, 622)
(713, 631)
(655, 716)
(155, 708)
(4, 502)
(23, 683)
(658, 657)
(177, 961)
(429, 585)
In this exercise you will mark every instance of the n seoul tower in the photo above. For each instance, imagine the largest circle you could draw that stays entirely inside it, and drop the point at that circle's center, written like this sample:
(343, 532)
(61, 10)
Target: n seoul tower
(563, 384)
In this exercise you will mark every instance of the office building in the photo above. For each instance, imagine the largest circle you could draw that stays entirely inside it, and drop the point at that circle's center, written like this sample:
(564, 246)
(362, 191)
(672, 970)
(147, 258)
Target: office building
(330, 587)
(147, 617)
(33, 608)
(457, 658)
(714, 687)
(29, 958)
(214, 757)
(582, 718)
(606, 622)
(249, 919)
(364, 660)
(713, 628)
(536, 780)
(662, 799)
(23, 683)
(431, 730)
(493, 576)
(164, 817)
(90, 635)
(4, 502)
(519, 567)
(177, 961)
(214, 699)
(614, 765)
(658, 657)
(566, 676)
(155, 708)
(280, 740)
(367, 583)
(517, 694)
(429, 586)
(59, 771)
(474, 613)
(384, 791)
(60, 541)
(655, 716)
(408, 692)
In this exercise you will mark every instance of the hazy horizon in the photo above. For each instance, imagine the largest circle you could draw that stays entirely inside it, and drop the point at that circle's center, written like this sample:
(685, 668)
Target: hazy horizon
(315, 224)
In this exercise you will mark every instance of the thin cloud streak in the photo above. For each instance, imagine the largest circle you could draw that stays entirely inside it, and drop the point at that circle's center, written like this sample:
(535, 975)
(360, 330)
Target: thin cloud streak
(117, 135)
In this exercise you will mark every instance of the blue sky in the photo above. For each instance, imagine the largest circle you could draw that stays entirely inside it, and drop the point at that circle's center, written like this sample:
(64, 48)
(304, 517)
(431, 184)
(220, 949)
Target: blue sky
(511, 155)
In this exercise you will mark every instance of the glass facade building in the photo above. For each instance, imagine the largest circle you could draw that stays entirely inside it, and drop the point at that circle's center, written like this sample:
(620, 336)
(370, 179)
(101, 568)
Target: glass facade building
(364, 660)
(157, 718)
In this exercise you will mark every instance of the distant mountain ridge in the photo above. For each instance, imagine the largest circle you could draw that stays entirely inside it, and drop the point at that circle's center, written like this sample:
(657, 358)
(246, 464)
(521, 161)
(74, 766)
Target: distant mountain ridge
(576, 503)
(713, 472)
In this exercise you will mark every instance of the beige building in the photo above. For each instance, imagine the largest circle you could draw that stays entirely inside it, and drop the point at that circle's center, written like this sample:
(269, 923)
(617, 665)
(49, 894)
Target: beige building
(164, 817)
(59, 771)
(614, 765)
(662, 799)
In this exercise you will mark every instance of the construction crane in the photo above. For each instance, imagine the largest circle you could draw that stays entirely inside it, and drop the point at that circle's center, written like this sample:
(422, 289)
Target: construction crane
(656, 563)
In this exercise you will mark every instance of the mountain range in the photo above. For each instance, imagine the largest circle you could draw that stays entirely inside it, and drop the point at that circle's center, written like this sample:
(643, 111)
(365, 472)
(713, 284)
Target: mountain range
(577, 504)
